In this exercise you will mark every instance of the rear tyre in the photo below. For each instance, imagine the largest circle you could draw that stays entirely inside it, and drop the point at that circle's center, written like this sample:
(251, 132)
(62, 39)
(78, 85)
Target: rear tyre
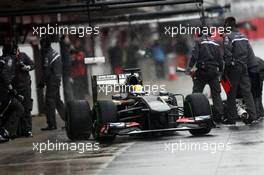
(104, 112)
(78, 120)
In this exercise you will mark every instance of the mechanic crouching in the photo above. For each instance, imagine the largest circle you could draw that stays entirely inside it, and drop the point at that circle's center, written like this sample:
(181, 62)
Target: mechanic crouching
(240, 60)
(52, 74)
(22, 83)
(10, 107)
(207, 57)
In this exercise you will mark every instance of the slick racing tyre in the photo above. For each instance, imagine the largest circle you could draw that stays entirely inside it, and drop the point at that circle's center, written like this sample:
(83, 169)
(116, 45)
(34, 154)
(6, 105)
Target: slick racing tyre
(104, 112)
(78, 120)
(196, 105)
(200, 132)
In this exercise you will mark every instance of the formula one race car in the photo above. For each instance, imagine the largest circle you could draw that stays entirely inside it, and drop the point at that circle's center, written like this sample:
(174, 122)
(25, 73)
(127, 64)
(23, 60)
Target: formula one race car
(133, 111)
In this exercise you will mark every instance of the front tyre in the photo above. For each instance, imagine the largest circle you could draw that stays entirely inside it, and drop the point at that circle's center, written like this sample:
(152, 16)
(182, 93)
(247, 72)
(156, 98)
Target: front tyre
(200, 132)
(197, 105)
(104, 112)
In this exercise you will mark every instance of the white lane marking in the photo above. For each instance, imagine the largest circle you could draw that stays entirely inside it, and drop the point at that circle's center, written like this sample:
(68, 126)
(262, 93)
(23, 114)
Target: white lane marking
(119, 152)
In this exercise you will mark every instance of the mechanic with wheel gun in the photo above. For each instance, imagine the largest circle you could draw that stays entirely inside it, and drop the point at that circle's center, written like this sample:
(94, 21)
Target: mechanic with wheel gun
(209, 63)
(10, 107)
(239, 61)
(22, 83)
(52, 74)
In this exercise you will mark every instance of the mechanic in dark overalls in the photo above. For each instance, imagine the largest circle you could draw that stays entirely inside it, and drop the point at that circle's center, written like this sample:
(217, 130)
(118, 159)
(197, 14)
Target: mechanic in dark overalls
(240, 60)
(52, 74)
(257, 87)
(65, 47)
(207, 57)
(22, 83)
(8, 95)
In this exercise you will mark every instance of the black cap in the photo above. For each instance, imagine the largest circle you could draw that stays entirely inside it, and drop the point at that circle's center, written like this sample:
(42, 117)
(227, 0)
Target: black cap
(204, 31)
(9, 48)
(230, 22)
(45, 42)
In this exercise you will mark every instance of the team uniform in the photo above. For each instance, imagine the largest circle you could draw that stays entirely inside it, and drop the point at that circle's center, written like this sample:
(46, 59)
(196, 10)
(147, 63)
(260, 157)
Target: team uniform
(52, 73)
(239, 59)
(209, 63)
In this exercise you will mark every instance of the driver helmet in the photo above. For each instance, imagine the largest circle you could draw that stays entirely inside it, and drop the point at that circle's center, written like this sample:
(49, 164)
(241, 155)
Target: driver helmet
(137, 89)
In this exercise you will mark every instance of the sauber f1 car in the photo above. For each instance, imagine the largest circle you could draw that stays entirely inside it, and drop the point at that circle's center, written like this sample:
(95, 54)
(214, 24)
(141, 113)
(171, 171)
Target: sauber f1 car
(133, 111)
